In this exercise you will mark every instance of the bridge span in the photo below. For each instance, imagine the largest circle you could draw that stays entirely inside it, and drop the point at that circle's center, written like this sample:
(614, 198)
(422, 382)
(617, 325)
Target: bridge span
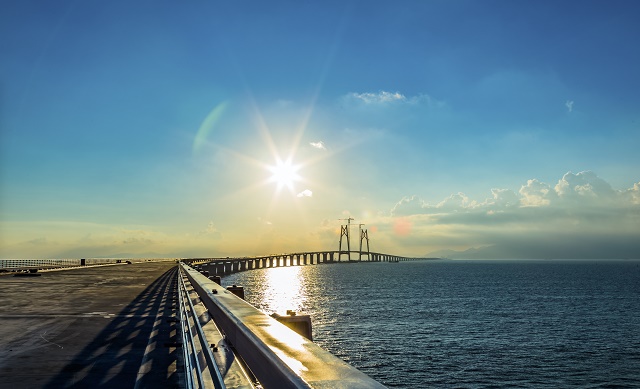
(227, 265)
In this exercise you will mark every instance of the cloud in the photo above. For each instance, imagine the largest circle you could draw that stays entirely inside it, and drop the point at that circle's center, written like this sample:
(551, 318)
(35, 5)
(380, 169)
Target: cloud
(580, 216)
(571, 191)
(408, 206)
(633, 194)
(378, 98)
(536, 193)
(305, 193)
(318, 145)
(569, 105)
(454, 203)
(503, 198)
(385, 98)
(584, 186)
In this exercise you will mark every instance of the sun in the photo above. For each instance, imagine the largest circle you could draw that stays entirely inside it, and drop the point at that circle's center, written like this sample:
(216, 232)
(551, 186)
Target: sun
(284, 173)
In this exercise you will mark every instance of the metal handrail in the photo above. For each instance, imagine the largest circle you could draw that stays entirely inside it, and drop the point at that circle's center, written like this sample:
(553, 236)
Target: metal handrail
(189, 347)
(277, 356)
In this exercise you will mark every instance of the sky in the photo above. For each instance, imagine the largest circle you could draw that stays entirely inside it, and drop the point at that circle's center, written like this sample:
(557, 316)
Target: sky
(466, 129)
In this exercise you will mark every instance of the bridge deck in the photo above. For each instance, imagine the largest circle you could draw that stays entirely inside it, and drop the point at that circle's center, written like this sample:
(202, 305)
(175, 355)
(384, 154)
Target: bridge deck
(91, 327)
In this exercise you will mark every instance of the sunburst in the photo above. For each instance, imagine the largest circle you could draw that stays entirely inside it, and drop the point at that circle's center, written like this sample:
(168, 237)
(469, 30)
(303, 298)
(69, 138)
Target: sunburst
(284, 173)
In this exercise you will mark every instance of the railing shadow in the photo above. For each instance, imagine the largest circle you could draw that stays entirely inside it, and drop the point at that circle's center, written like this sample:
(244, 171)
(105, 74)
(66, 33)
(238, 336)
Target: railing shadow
(135, 350)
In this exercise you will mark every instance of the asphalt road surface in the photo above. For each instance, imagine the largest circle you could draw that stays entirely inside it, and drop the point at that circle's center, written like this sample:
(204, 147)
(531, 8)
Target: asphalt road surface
(110, 327)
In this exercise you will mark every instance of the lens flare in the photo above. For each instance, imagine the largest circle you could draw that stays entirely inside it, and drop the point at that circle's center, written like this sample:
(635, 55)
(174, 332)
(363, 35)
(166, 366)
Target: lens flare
(284, 173)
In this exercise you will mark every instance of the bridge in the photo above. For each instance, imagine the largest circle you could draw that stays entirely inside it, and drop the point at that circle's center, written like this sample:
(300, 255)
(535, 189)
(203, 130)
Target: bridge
(157, 323)
(226, 266)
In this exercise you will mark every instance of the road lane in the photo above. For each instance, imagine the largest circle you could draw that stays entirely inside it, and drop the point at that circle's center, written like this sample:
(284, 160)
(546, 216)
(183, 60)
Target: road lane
(94, 327)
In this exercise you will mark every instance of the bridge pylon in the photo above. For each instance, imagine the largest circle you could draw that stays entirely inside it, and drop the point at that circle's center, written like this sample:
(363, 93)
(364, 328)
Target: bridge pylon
(344, 231)
(364, 235)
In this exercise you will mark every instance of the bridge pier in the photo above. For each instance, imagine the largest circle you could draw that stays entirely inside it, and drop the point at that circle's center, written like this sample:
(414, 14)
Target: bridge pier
(222, 267)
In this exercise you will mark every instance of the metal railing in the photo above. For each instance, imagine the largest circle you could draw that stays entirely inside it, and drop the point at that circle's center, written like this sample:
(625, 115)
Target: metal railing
(17, 264)
(199, 373)
(277, 356)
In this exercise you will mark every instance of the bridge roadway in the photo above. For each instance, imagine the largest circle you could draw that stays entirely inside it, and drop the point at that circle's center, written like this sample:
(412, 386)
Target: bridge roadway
(90, 327)
(225, 266)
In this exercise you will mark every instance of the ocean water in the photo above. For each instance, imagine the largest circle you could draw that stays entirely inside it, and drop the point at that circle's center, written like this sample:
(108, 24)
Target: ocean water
(469, 324)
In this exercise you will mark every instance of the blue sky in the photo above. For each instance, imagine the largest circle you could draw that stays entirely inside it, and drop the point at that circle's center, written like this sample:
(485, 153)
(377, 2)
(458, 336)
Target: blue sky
(492, 128)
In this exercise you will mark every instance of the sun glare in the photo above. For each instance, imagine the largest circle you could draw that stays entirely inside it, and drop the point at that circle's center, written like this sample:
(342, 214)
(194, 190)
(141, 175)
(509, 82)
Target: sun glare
(284, 173)
(283, 290)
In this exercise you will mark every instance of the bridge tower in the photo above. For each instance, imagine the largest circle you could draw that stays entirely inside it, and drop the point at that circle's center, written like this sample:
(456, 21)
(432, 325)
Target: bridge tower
(344, 231)
(364, 235)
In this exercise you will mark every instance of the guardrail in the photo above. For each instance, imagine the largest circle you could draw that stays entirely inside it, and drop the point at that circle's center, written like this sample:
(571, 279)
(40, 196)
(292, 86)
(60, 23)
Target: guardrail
(18, 264)
(277, 356)
(195, 344)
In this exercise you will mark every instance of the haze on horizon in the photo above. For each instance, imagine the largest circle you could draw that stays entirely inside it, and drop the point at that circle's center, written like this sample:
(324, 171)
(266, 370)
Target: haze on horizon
(498, 129)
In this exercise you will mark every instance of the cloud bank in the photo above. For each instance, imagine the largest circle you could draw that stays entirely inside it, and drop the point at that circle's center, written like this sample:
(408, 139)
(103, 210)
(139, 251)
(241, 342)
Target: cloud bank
(581, 216)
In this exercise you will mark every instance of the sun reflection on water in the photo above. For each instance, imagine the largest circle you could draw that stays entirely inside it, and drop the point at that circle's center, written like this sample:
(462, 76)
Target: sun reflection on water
(283, 290)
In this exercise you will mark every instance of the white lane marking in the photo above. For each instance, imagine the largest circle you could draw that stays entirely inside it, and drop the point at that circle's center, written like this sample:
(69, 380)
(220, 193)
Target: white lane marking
(47, 340)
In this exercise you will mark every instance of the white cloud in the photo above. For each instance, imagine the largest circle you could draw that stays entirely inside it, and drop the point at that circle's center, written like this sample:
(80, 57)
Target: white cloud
(305, 193)
(569, 105)
(581, 216)
(386, 98)
(573, 191)
(408, 206)
(378, 98)
(503, 198)
(536, 193)
(633, 194)
(584, 186)
(454, 203)
(318, 145)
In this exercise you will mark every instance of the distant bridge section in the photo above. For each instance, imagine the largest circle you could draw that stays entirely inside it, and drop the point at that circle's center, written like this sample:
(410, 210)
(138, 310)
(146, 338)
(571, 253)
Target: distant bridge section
(228, 265)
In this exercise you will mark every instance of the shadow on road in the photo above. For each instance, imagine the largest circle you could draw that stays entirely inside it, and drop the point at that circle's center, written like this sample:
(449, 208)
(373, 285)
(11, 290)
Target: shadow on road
(136, 349)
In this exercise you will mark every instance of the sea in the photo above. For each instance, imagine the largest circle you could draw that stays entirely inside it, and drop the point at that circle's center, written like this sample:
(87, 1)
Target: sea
(468, 324)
